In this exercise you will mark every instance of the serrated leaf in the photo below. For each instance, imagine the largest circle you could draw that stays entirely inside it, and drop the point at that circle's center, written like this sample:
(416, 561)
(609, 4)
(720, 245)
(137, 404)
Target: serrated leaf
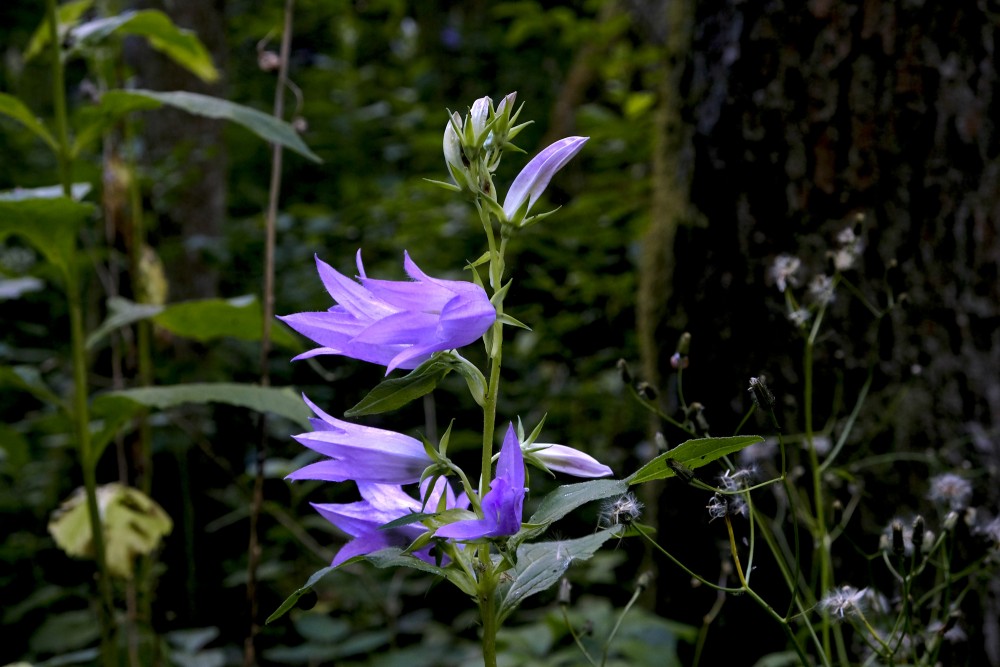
(14, 108)
(48, 224)
(116, 103)
(540, 565)
(290, 601)
(396, 392)
(692, 454)
(180, 45)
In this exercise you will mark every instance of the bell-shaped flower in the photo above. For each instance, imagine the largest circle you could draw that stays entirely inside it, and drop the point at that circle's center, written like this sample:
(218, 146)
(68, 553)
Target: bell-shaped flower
(560, 458)
(380, 504)
(503, 503)
(360, 453)
(398, 324)
(535, 177)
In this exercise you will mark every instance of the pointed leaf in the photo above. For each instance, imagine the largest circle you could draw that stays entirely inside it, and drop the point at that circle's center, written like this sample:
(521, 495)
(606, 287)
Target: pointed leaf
(396, 392)
(290, 601)
(66, 15)
(568, 497)
(116, 103)
(692, 454)
(12, 107)
(180, 45)
(29, 379)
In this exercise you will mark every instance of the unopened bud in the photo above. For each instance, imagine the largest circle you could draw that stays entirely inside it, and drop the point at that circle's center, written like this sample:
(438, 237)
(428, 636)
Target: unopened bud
(268, 61)
(647, 391)
(300, 124)
(684, 344)
(645, 579)
(762, 396)
(661, 442)
(565, 588)
(697, 411)
(950, 520)
(919, 530)
(898, 546)
(624, 371)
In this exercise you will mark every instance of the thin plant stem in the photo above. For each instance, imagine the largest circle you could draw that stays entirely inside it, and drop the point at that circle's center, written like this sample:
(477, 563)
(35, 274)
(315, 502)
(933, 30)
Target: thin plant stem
(618, 623)
(81, 413)
(253, 557)
(576, 637)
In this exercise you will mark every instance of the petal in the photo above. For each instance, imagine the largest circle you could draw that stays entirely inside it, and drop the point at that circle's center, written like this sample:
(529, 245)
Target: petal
(401, 328)
(570, 461)
(469, 529)
(385, 472)
(535, 176)
(463, 321)
(363, 545)
(357, 300)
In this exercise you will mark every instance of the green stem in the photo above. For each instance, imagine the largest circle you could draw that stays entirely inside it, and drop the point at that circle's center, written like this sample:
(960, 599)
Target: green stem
(488, 611)
(81, 412)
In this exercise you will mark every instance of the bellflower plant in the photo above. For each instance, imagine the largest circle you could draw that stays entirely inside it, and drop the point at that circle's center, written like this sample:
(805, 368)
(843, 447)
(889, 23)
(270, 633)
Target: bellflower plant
(392, 323)
(477, 540)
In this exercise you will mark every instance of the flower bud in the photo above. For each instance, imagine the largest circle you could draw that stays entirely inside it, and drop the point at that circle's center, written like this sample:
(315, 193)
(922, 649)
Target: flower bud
(762, 396)
(624, 371)
(898, 545)
(647, 391)
(565, 588)
(917, 537)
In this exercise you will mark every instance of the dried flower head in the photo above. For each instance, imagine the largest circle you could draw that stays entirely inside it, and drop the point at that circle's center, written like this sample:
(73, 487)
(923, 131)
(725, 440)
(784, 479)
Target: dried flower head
(783, 271)
(950, 491)
(621, 511)
(843, 602)
(821, 289)
(762, 396)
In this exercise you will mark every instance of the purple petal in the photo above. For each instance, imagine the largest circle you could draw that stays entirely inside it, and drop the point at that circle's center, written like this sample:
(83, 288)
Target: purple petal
(535, 176)
(364, 545)
(561, 458)
(469, 529)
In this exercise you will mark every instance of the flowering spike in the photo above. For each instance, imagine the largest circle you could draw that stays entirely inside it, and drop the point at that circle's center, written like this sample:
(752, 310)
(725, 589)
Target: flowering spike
(398, 324)
(535, 177)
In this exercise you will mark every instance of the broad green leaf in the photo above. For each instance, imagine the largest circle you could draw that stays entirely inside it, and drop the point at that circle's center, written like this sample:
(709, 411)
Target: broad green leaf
(394, 557)
(276, 400)
(65, 632)
(12, 107)
(117, 407)
(202, 320)
(180, 45)
(66, 16)
(540, 565)
(116, 103)
(28, 378)
(49, 225)
(132, 524)
(290, 601)
(692, 454)
(397, 392)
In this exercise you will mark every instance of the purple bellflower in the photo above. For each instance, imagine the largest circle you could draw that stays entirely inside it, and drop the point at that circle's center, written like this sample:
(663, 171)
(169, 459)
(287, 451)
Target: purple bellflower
(398, 324)
(535, 177)
(380, 504)
(360, 453)
(568, 460)
(503, 503)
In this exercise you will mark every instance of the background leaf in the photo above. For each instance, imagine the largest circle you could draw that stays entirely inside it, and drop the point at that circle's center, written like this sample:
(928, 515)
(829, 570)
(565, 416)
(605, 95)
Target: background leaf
(180, 45)
(49, 225)
(13, 107)
(692, 454)
(115, 103)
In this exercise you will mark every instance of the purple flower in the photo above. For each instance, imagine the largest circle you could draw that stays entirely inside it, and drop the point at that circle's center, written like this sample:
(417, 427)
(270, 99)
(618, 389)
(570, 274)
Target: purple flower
(568, 460)
(381, 504)
(502, 504)
(398, 324)
(361, 453)
(535, 177)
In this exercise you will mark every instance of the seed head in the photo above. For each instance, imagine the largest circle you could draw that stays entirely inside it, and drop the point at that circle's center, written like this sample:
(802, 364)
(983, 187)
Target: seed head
(950, 491)
(843, 602)
(621, 511)
(762, 396)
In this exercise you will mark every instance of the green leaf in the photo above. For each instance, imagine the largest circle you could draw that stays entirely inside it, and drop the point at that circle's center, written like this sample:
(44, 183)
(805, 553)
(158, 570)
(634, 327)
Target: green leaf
(118, 407)
(276, 400)
(540, 565)
(692, 454)
(290, 601)
(29, 379)
(116, 103)
(474, 378)
(397, 392)
(394, 557)
(132, 524)
(12, 107)
(568, 497)
(66, 16)
(180, 45)
(202, 320)
(48, 224)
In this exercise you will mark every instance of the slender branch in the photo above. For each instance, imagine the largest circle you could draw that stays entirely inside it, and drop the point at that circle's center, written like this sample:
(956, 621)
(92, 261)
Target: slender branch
(253, 556)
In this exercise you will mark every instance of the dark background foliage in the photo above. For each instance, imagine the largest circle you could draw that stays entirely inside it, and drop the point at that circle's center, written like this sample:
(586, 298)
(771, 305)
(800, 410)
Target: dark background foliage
(722, 135)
